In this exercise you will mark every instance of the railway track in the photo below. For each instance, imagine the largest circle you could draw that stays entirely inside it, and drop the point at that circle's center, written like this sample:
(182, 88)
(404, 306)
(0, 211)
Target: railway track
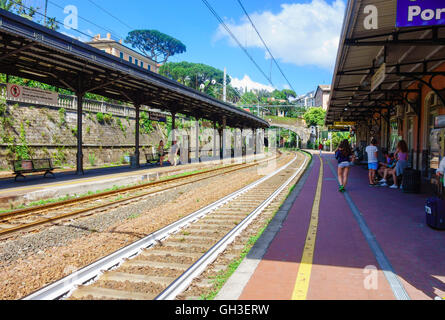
(164, 263)
(25, 219)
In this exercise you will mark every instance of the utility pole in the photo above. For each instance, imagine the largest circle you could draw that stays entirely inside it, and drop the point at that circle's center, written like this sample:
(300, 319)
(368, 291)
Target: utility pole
(46, 10)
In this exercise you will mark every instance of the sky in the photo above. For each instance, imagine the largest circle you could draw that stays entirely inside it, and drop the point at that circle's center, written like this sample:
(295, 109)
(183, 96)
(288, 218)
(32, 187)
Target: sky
(302, 35)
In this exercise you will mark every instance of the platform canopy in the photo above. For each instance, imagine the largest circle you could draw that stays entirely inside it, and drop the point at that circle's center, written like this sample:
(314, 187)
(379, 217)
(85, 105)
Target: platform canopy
(380, 56)
(32, 51)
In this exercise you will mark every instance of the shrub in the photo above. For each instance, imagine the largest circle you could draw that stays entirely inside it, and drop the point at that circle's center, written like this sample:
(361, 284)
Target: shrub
(145, 123)
(62, 116)
(74, 131)
(100, 117)
(120, 124)
(108, 118)
(92, 159)
(22, 151)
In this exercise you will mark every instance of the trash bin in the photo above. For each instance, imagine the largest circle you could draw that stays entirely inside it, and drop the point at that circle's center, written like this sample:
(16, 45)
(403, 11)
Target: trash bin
(411, 181)
(133, 163)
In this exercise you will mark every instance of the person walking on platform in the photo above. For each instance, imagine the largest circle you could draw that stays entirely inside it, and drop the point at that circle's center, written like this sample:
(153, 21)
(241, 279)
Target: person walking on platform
(344, 156)
(320, 148)
(173, 154)
(161, 153)
(373, 161)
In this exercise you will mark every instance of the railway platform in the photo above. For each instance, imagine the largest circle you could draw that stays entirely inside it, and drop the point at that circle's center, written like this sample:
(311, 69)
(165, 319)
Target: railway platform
(36, 188)
(369, 243)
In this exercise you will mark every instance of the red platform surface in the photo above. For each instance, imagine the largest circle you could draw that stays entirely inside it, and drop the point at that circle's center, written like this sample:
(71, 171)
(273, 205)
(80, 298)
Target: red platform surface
(397, 220)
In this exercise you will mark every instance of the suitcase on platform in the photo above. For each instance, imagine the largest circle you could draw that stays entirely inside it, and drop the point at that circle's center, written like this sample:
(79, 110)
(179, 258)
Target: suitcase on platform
(435, 213)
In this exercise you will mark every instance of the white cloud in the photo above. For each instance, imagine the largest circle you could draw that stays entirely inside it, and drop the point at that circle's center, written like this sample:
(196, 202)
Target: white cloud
(301, 34)
(248, 83)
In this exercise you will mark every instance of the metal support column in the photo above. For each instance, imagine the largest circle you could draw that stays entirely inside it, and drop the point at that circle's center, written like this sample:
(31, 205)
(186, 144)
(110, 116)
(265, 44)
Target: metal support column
(254, 133)
(136, 147)
(215, 147)
(197, 140)
(223, 138)
(173, 126)
(79, 161)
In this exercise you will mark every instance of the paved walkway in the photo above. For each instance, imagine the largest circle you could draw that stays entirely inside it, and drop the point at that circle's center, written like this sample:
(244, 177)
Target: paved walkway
(369, 243)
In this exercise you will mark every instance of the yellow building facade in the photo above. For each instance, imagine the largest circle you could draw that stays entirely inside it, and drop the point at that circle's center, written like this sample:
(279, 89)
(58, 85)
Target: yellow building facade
(117, 49)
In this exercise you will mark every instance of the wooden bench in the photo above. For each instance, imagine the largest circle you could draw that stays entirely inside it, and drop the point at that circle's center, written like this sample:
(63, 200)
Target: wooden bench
(20, 167)
(152, 157)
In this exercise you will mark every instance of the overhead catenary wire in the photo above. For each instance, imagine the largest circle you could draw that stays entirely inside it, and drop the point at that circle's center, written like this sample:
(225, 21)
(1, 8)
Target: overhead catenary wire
(55, 20)
(115, 34)
(236, 40)
(110, 14)
(265, 45)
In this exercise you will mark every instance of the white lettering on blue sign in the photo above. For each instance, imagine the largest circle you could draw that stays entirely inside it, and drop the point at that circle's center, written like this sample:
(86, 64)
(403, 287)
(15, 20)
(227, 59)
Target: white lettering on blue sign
(411, 13)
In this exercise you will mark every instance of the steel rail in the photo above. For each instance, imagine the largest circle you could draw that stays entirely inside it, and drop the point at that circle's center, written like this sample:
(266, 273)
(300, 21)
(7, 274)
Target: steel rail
(102, 194)
(181, 283)
(93, 208)
(65, 286)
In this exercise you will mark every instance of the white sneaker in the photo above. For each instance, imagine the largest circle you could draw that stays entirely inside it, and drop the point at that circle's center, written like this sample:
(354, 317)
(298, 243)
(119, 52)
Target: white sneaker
(382, 181)
(384, 184)
(394, 186)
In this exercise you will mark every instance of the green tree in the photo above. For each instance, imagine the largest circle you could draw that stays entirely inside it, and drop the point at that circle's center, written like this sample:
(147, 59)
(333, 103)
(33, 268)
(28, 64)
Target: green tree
(315, 117)
(249, 98)
(289, 93)
(18, 7)
(279, 95)
(196, 74)
(155, 45)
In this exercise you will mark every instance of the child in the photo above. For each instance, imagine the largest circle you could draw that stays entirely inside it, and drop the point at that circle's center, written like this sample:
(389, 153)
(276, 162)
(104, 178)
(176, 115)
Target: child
(402, 162)
(373, 162)
(388, 164)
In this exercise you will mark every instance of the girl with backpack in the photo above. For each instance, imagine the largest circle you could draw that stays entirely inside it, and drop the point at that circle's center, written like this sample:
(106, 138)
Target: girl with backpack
(344, 156)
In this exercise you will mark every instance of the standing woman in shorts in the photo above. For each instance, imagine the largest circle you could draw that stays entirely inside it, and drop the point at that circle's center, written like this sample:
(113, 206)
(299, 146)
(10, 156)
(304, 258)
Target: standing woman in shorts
(344, 158)
(402, 163)
(373, 161)
(161, 152)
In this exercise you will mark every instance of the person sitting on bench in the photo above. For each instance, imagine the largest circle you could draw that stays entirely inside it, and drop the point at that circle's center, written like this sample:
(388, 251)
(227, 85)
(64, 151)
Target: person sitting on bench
(401, 164)
(389, 160)
(391, 172)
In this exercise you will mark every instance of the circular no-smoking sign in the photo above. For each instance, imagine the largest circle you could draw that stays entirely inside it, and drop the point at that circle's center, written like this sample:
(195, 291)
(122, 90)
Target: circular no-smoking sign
(15, 91)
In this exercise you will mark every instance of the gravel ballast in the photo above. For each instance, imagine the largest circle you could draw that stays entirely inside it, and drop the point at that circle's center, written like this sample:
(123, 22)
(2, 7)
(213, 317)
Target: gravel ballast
(29, 262)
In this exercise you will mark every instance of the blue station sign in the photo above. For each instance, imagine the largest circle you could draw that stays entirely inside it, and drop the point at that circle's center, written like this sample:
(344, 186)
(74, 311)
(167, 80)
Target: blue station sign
(418, 13)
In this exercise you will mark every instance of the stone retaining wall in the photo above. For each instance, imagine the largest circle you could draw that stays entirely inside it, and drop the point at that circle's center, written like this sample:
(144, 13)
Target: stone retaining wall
(51, 132)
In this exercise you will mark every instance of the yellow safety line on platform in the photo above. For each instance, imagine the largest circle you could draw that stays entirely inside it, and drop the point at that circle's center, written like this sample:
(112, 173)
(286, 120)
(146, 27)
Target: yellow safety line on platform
(81, 180)
(304, 272)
